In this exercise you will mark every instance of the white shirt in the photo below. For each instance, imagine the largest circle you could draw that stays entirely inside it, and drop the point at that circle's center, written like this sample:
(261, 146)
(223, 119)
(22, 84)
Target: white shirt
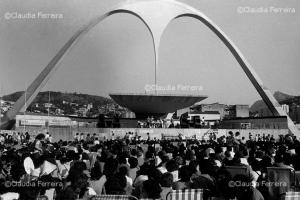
(129, 180)
(28, 165)
(244, 161)
(162, 169)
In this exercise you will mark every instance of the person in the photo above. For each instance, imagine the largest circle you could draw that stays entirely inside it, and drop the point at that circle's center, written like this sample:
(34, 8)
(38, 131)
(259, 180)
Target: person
(50, 139)
(22, 138)
(27, 137)
(95, 181)
(151, 189)
(93, 137)
(133, 162)
(77, 137)
(246, 191)
(81, 138)
(88, 138)
(184, 179)
(47, 135)
(113, 136)
(39, 143)
(166, 183)
(124, 172)
(96, 141)
(77, 189)
(2, 139)
(172, 167)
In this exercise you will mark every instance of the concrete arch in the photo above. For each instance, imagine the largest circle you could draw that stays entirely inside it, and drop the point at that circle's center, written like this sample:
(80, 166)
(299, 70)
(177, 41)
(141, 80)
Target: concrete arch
(263, 91)
(247, 68)
(156, 15)
(53, 65)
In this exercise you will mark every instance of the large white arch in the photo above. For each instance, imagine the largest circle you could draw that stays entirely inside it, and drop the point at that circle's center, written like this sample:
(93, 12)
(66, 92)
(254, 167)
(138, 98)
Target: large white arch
(41, 80)
(156, 15)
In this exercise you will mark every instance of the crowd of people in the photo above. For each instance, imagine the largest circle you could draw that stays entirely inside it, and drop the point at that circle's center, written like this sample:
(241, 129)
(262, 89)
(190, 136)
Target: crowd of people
(86, 167)
(151, 122)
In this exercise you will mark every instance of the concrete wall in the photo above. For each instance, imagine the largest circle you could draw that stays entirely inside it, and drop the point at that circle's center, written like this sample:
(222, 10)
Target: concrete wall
(256, 123)
(242, 110)
(68, 133)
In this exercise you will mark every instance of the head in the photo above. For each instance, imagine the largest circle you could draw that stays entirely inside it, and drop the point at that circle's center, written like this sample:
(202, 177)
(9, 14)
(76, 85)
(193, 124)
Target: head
(171, 165)
(152, 189)
(40, 137)
(166, 180)
(133, 162)
(185, 174)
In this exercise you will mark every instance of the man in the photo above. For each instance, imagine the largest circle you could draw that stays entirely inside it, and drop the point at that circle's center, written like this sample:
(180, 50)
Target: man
(96, 141)
(77, 137)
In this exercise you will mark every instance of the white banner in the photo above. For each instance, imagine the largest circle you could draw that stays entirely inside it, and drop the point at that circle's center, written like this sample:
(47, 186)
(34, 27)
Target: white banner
(32, 122)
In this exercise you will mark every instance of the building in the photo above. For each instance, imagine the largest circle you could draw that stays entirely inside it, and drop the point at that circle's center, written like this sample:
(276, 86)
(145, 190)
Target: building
(285, 108)
(40, 120)
(221, 108)
(82, 111)
(295, 113)
(89, 106)
(278, 122)
(48, 105)
(198, 119)
(291, 106)
(235, 111)
(206, 115)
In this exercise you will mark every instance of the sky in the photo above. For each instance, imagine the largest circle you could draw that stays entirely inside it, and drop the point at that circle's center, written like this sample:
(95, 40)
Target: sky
(117, 55)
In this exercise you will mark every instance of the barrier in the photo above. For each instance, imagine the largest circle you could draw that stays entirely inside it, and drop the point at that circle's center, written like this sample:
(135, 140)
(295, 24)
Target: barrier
(68, 133)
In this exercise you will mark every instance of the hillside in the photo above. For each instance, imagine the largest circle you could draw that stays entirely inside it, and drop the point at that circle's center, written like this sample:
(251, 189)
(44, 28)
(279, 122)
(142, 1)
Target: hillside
(279, 96)
(67, 103)
(55, 97)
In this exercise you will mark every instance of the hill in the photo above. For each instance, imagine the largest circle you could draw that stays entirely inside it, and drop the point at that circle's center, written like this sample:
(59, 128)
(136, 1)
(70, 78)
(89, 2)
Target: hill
(66, 103)
(80, 99)
(279, 96)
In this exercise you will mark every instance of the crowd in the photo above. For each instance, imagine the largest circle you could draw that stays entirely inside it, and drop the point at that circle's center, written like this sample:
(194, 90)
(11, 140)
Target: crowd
(152, 122)
(87, 167)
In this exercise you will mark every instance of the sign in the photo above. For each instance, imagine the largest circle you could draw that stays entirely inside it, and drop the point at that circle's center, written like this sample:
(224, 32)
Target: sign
(32, 122)
(56, 122)
(245, 125)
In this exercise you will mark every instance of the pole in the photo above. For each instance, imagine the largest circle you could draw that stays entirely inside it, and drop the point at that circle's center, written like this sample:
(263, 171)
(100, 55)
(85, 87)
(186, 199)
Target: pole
(24, 126)
(48, 111)
(0, 104)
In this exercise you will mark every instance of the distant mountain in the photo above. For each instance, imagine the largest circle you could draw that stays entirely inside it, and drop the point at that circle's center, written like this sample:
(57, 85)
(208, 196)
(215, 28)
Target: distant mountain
(59, 97)
(13, 96)
(260, 104)
(280, 96)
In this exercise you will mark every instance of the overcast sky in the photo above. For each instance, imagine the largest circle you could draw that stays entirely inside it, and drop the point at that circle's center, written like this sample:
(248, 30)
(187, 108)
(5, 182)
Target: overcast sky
(117, 55)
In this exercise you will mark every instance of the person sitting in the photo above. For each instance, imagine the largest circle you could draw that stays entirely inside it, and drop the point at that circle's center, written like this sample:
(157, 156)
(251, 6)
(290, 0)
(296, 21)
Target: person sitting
(184, 178)
(133, 162)
(77, 188)
(246, 191)
(166, 183)
(95, 181)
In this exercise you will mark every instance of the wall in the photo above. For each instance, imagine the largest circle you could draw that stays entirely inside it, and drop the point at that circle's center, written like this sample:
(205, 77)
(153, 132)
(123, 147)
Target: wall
(242, 111)
(257, 123)
(215, 107)
(68, 133)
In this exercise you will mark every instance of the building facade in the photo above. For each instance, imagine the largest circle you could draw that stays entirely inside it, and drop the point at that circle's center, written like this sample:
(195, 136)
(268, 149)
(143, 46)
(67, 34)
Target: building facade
(278, 122)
